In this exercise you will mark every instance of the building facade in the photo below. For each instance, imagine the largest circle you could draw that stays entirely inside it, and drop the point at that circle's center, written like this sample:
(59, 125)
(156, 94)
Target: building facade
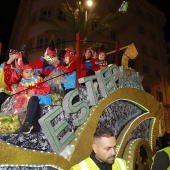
(142, 25)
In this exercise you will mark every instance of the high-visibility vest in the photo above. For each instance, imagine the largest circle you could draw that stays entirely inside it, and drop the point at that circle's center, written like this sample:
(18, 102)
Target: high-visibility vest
(2, 82)
(89, 164)
(167, 150)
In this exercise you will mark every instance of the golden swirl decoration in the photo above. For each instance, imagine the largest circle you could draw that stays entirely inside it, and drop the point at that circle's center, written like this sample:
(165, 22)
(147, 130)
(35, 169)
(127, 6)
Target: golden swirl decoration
(82, 143)
(140, 97)
(130, 53)
(133, 157)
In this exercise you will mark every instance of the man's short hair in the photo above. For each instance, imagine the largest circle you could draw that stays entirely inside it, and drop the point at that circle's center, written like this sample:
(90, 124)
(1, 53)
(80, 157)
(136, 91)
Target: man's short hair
(103, 132)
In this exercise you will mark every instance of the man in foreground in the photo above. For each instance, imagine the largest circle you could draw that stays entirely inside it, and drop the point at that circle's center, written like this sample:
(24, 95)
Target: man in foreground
(161, 160)
(103, 156)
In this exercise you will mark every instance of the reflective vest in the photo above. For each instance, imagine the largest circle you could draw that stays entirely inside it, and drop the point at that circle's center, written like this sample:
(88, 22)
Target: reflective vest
(89, 164)
(167, 150)
(2, 82)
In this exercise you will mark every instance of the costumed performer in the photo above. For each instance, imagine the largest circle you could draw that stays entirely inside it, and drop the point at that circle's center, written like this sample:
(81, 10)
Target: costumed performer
(44, 65)
(87, 63)
(100, 61)
(32, 91)
(68, 67)
(87, 67)
(9, 76)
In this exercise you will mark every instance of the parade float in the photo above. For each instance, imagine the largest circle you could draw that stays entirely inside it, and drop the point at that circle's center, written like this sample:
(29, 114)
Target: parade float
(120, 104)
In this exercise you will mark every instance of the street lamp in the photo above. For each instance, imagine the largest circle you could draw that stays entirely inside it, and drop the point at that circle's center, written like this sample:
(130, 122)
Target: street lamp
(89, 4)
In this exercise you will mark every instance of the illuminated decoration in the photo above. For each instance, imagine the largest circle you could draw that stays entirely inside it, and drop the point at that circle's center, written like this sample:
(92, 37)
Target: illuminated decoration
(51, 60)
(89, 2)
(58, 139)
(129, 53)
(135, 146)
(107, 78)
(124, 6)
(90, 89)
(56, 128)
(67, 130)
(37, 167)
(59, 134)
(133, 80)
(9, 124)
(85, 131)
(129, 128)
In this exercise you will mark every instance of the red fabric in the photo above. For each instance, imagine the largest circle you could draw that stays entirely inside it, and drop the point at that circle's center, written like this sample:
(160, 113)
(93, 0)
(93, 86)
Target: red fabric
(52, 52)
(83, 71)
(18, 60)
(98, 64)
(102, 51)
(69, 53)
(69, 68)
(38, 63)
(25, 66)
(10, 76)
(38, 87)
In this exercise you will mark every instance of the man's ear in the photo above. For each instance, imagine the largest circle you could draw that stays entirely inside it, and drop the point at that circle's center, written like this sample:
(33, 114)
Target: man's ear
(94, 147)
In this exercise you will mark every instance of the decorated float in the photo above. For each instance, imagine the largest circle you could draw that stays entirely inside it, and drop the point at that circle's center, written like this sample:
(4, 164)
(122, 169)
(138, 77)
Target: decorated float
(121, 104)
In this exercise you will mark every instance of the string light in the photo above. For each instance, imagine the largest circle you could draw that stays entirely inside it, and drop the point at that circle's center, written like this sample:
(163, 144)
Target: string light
(30, 166)
(119, 146)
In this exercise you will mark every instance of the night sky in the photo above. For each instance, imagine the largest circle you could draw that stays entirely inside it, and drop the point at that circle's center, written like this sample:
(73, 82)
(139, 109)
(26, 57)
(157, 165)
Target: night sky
(164, 7)
(8, 10)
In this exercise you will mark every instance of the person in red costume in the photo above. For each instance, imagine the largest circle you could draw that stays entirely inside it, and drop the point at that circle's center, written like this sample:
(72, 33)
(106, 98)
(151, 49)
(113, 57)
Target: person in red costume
(9, 76)
(44, 65)
(86, 67)
(100, 61)
(94, 52)
(68, 68)
(31, 91)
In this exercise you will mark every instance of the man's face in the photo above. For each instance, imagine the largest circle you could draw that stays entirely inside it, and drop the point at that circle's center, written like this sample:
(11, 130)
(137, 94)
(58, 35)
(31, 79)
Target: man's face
(54, 61)
(105, 149)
